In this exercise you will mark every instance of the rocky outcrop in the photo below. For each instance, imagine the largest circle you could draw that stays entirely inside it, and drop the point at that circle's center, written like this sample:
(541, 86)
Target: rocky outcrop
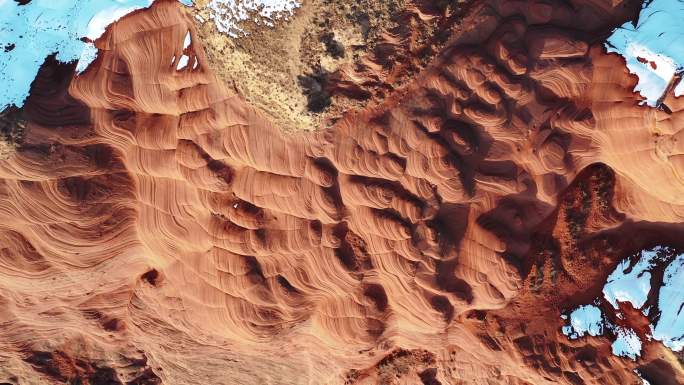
(155, 227)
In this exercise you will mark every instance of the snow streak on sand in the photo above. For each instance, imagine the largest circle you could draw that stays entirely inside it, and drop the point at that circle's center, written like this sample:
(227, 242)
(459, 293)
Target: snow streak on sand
(227, 14)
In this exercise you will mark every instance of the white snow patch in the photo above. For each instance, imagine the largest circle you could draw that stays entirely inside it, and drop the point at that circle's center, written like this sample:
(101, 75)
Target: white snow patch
(88, 55)
(182, 62)
(627, 343)
(227, 14)
(187, 41)
(98, 24)
(679, 88)
(670, 326)
(585, 319)
(652, 82)
(631, 283)
(665, 66)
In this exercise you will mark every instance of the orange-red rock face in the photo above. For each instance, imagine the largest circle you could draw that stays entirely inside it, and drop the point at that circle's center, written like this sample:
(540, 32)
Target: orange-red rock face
(155, 228)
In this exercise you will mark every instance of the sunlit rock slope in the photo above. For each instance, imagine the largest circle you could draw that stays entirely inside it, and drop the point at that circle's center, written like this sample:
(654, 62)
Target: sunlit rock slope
(155, 228)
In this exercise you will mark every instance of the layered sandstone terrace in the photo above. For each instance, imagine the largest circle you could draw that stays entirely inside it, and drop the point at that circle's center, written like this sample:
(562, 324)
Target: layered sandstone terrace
(156, 228)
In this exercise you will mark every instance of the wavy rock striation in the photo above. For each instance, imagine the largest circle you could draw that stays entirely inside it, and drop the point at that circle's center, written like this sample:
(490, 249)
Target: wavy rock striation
(154, 228)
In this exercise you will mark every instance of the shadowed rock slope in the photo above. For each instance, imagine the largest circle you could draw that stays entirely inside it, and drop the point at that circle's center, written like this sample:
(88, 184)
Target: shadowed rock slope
(155, 228)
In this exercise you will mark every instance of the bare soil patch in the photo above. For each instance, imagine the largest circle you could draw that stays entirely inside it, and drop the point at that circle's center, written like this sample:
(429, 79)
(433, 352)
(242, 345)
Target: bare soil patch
(305, 70)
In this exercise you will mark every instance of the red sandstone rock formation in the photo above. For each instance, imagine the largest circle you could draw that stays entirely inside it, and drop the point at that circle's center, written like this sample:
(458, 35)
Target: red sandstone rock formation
(154, 228)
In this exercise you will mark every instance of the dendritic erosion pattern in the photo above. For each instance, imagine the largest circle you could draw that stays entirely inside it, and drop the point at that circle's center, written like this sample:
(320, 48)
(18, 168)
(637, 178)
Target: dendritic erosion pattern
(155, 228)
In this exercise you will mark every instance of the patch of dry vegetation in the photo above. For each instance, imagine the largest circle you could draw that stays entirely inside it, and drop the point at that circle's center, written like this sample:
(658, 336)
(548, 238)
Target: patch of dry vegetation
(283, 69)
(12, 126)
